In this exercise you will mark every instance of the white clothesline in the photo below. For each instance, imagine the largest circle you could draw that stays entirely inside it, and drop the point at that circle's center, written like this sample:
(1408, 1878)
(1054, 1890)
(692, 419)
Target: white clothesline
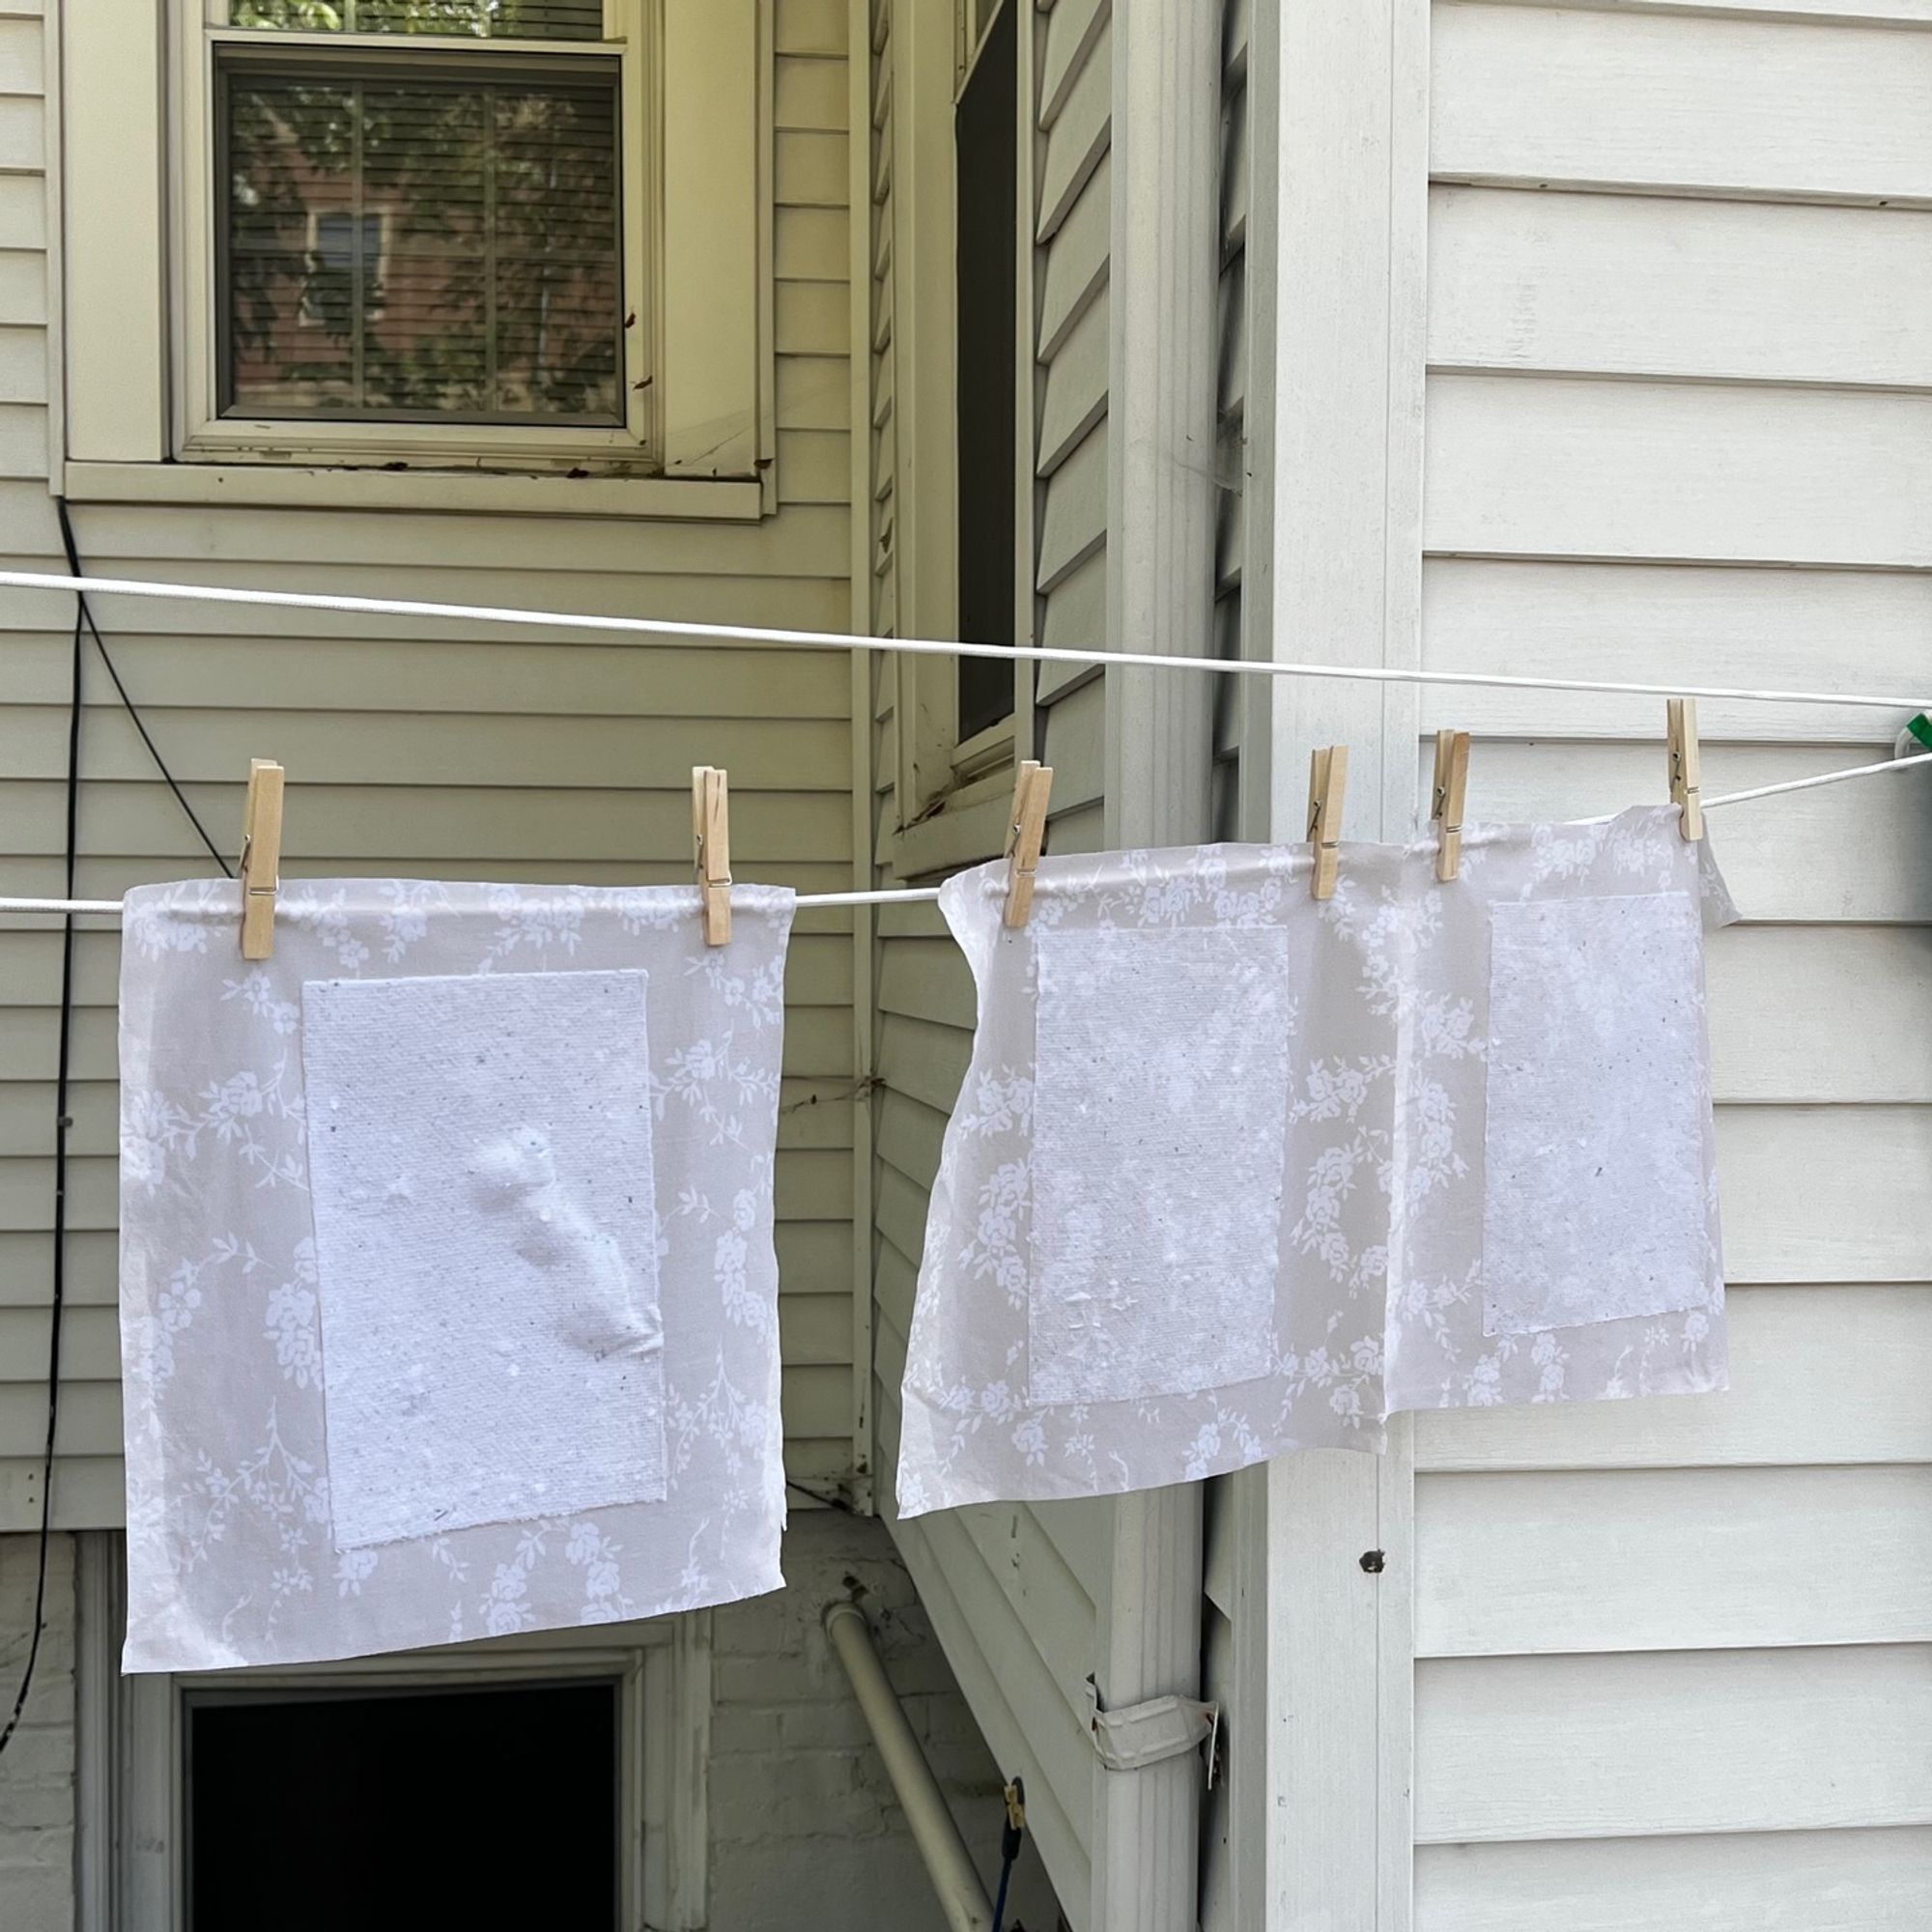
(913, 894)
(397, 607)
(823, 641)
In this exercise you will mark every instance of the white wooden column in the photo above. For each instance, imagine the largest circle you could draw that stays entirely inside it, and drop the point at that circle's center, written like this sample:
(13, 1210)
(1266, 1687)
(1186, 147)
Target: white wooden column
(1164, 243)
(1323, 1573)
(1162, 349)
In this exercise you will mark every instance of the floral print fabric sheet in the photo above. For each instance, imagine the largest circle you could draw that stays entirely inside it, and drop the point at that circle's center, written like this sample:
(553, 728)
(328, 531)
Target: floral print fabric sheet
(233, 1551)
(1390, 1174)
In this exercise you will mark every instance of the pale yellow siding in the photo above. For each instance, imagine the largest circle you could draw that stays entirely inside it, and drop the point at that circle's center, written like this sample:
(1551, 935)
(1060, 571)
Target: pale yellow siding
(1013, 1591)
(430, 750)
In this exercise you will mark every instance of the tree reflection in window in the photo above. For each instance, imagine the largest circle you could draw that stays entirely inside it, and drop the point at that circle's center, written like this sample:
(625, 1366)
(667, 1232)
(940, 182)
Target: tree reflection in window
(408, 240)
(482, 19)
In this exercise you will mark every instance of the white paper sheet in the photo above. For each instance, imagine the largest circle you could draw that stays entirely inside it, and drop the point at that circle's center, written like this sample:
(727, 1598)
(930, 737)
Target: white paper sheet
(241, 1547)
(1593, 1197)
(1158, 1145)
(486, 1248)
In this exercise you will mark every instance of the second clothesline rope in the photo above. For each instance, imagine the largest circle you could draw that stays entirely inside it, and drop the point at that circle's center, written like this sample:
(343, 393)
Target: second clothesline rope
(845, 641)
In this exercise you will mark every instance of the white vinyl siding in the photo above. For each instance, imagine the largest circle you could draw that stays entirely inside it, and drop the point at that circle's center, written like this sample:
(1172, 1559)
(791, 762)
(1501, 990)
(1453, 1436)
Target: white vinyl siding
(431, 750)
(1675, 1657)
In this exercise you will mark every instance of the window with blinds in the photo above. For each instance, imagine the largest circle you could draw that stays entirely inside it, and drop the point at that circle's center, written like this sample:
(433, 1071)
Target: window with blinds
(486, 20)
(419, 232)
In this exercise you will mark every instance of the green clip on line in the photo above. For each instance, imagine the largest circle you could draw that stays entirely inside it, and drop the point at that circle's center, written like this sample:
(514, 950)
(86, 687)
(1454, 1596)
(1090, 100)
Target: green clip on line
(1917, 737)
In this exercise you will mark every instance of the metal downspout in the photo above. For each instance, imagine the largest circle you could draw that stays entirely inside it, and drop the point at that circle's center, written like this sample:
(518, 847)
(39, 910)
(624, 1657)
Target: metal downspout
(961, 1895)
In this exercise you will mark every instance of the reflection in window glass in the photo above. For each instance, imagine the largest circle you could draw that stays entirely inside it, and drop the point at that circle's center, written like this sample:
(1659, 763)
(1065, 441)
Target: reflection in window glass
(482, 19)
(421, 247)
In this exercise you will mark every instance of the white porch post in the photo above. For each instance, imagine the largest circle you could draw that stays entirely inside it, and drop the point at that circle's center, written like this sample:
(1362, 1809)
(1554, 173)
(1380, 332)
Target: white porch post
(1323, 1584)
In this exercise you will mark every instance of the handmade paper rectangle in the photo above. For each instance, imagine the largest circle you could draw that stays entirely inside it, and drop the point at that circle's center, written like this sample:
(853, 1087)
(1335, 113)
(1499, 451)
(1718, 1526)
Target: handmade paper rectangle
(1159, 1130)
(485, 1229)
(1595, 1204)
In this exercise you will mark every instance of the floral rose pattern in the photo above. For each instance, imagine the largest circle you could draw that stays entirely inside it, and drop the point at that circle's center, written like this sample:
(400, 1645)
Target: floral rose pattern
(230, 1554)
(1379, 1299)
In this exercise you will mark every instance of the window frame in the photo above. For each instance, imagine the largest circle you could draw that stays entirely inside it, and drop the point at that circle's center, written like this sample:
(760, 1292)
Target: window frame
(969, 779)
(135, 1818)
(200, 428)
(136, 299)
(381, 215)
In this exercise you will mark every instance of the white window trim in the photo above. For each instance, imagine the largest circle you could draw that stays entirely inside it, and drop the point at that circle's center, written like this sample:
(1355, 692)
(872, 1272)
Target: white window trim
(1321, 1783)
(137, 293)
(201, 433)
(130, 1858)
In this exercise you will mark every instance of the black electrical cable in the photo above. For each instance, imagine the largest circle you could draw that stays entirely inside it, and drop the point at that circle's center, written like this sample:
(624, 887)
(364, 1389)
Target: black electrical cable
(84, 627)
(825, 1496)
(63, 1123)
(86, 616)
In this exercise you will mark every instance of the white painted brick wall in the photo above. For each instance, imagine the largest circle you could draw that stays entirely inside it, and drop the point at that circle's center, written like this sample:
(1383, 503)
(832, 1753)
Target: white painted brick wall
(37, 1770)
(804, 1834)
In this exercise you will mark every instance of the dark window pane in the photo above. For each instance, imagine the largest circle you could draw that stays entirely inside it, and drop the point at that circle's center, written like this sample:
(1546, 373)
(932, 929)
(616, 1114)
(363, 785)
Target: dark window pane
(341, 240)
(985, 135)
(393, 1812)
(421, 247)
(481, 19)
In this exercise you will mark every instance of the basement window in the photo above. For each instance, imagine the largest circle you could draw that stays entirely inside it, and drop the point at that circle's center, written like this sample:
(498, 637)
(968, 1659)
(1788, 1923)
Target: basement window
(379, 1808)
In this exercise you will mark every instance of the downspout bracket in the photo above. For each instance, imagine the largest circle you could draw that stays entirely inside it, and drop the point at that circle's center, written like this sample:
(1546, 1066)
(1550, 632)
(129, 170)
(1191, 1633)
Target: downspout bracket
(1138, 1735)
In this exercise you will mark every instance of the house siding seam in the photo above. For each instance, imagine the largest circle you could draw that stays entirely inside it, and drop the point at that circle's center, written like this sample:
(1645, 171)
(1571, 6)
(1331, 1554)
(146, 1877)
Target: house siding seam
(428, 750)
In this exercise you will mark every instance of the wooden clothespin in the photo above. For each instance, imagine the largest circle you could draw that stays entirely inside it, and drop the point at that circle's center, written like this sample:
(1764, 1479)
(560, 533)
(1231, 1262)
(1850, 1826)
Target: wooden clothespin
(1032, 786)
(1446, 800)
(711, 834)
(261, 857)
(1327, 786)
(1687, 766)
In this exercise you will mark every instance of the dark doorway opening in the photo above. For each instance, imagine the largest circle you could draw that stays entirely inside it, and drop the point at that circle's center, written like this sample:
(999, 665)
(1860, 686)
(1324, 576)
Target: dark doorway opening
(484, 1807)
